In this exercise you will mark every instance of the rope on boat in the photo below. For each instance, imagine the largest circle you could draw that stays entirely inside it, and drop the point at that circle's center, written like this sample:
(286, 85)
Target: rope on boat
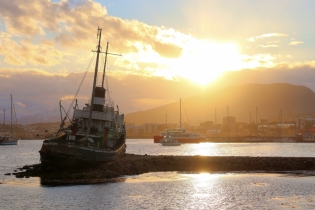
(80, 84)
(15, 119)
(74, 98)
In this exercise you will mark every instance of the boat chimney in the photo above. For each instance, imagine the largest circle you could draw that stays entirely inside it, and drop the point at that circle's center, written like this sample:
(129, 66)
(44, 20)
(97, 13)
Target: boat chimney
(99, 99)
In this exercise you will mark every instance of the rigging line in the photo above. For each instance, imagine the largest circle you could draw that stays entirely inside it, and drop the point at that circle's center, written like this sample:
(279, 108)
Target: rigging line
(107, 86)
(15, 119)
(80, 84)
(113, 63)
(187, 116)
(67, 116)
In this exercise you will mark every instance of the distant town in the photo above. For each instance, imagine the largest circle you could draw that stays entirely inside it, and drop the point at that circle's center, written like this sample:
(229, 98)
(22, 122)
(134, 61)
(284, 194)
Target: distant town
(228, 128)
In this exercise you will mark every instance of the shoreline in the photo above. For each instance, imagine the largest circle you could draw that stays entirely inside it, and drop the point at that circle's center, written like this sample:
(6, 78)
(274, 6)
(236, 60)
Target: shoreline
(132, 164)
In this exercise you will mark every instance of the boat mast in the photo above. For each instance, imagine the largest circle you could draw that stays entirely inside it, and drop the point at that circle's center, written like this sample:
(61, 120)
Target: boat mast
(215, 122)
(99, 35)
(166, 120)
(281, 125)
(60, 111)
(256, 123)
(228, 121)
(105, 64)
(3, 122)
(11, 115)
(180, 113)
(106, 53)
(250, 123)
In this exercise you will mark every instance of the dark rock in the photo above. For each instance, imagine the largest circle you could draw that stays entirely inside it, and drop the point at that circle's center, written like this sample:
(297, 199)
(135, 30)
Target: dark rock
(131, 164)
(49, 169)
(19, 175)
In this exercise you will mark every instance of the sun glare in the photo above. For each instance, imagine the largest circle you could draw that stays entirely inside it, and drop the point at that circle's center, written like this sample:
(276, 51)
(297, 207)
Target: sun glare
(202, 62)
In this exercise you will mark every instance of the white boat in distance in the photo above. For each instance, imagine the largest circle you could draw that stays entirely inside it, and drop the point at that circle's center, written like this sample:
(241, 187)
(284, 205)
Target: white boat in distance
(9, 140)
(180, 134)
(169, 141)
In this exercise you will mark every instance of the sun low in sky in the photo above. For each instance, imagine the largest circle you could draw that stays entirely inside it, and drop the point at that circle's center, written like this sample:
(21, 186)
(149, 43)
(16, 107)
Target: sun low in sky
(181, 40)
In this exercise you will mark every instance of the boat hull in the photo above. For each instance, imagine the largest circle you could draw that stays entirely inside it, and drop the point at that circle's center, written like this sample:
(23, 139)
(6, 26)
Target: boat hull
(12, 142)
(66, 154)
(196, 140)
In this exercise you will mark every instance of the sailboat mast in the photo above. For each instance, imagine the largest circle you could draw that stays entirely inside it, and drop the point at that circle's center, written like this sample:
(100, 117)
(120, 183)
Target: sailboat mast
(3, 122)
(11, 115)
(99, 35)
(256, 123)
(180, 113)
(250, 123)
(166, 120)
(281, 125)
(105, 65)
(228, 120)
(215, 122)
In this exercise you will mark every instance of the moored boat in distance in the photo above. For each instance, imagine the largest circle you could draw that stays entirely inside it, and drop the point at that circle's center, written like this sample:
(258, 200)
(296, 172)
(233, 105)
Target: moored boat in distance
(307, 137)
(180, 133)
(181, 136)
(169, 141)
(97, 132)
(9, 139)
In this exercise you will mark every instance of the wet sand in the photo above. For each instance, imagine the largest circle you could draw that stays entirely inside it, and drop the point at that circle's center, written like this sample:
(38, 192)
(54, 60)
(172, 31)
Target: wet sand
(132, 164)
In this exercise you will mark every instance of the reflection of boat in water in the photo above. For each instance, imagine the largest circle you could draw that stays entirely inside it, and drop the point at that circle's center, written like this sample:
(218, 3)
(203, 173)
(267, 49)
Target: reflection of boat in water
(283, 140)
(97, 132)
(169, 141)
(256, 139)
(180, 134)
(9, 140)
(270, 139)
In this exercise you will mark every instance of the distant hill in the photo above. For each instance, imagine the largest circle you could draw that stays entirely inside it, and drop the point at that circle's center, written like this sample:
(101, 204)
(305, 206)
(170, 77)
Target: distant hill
(238, 101)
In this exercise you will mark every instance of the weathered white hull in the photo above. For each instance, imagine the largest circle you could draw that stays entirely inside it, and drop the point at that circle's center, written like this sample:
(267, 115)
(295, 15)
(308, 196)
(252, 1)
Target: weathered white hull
(9, 142)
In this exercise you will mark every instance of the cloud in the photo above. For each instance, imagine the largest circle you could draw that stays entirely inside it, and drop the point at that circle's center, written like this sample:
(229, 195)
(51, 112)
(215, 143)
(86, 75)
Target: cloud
(54, 33)
(251, 39)
(4, 35)
(263, 36)
(268, 46)
(168, 50)
(20, 54)
(300, 73)
(270, 35)
(39, 91)
(20, 104)
(296, 43)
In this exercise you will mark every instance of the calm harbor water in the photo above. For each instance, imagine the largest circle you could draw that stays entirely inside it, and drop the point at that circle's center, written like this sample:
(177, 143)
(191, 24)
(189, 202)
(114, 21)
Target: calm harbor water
(165, 190)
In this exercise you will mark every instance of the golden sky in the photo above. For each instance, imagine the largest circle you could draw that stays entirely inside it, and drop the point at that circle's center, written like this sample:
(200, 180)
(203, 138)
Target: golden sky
(190, 43)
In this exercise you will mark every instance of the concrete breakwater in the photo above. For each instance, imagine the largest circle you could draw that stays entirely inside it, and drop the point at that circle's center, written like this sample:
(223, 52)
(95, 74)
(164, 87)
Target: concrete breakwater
(132, 164)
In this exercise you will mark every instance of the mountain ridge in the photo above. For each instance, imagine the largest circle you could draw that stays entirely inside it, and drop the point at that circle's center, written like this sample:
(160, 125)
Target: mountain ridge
(239, 101)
